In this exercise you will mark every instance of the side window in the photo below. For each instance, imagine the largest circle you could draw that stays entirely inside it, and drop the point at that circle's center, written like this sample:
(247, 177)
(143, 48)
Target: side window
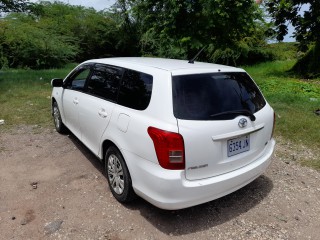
(104, 82)
(135, 90)
(78, 79)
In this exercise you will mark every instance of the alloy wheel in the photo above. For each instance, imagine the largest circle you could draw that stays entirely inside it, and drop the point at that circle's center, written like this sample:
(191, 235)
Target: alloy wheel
(115, 174)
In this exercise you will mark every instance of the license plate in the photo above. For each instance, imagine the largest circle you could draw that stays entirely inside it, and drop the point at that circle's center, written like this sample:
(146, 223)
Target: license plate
(238, 145)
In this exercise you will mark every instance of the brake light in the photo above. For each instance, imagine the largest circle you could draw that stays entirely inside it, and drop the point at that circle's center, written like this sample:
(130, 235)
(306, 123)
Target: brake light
(274, 124)
(169, 148)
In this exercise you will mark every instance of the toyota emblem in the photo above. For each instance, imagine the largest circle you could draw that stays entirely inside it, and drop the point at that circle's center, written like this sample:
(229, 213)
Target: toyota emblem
(242, 122)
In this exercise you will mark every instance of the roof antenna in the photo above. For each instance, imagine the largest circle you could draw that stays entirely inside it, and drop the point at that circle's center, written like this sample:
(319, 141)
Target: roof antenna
(196, 56)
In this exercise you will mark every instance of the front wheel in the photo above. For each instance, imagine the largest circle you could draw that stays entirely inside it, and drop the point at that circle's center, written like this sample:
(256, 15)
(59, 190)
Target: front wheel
(118, 176)
(60, 127)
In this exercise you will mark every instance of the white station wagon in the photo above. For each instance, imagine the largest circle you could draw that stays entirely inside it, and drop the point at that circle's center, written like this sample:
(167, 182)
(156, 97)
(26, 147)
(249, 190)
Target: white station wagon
(175, 133)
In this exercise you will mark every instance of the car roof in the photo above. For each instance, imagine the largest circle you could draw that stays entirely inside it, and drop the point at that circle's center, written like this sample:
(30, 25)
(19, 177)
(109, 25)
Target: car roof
(163, 63)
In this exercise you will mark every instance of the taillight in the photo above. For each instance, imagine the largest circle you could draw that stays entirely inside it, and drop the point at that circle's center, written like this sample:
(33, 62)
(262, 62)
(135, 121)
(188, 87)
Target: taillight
(169, 148)
(274, 123)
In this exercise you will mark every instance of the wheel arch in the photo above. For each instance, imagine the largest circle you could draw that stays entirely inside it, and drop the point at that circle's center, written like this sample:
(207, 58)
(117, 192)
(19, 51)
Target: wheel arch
(128, 194)
(105, 145)
(53, 100)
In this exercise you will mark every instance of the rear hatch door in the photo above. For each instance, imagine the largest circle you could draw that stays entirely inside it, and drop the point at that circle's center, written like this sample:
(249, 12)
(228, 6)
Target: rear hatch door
(224, 120)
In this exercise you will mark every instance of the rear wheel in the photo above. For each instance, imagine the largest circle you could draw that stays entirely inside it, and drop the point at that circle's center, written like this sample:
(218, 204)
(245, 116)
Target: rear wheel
(118, 176)
(60, 127)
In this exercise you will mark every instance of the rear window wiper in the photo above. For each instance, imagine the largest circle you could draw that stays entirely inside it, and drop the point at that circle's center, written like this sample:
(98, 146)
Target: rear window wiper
(239, 112)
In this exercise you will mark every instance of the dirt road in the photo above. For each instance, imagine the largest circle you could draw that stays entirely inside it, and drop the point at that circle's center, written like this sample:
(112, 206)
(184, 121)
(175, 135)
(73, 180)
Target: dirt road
(52, 187)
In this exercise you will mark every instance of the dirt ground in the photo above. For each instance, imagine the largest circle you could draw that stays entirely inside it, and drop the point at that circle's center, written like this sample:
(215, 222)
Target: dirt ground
(52, 187)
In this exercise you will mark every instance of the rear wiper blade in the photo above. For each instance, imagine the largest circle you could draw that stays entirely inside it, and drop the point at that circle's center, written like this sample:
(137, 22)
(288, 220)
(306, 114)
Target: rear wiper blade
(239, 112)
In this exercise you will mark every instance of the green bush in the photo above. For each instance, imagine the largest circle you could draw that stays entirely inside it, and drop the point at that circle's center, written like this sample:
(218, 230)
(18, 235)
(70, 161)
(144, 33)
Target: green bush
(24, 43)
(256, 55)
(308, 66)
(284, 50)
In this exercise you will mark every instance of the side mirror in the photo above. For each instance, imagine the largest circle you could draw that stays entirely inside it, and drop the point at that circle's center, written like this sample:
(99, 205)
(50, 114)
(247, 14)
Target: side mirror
(57, 82)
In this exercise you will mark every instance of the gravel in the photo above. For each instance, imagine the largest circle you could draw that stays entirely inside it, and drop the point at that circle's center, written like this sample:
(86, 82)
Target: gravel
(52, 187)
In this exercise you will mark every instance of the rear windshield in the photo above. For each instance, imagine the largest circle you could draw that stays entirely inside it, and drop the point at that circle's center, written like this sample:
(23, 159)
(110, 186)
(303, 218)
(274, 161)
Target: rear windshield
(208, 96)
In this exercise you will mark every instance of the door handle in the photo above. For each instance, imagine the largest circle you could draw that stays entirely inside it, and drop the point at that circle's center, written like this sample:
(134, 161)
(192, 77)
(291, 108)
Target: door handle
(102, 113)
(75, 101)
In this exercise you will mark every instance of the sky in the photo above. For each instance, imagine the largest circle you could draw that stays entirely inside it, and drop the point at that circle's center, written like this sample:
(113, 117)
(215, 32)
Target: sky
(288, 37)
(103, 4)
(96, 4)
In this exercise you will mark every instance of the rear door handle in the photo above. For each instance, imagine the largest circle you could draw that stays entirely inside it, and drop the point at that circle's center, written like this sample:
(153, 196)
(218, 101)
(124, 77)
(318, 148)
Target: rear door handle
(75, 101)
(102, 113)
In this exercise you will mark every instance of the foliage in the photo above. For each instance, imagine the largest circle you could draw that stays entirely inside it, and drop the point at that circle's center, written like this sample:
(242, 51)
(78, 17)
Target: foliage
(14, 5)
(294, 101)
(179, 29)
(271, 52)
(307, 25)
(284, 50)
(127, 36)
(232, 32)
(308, 66)
(307, 30)
(57, 33)
(92, 32)
(26, 43)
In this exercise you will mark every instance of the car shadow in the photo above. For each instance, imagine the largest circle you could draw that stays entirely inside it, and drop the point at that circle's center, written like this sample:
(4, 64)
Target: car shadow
(94, 160)
(208, 215)
(198, 218)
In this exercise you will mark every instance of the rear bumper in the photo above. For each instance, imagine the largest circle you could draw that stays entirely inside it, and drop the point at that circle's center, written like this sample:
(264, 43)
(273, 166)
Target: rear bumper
(171, 190)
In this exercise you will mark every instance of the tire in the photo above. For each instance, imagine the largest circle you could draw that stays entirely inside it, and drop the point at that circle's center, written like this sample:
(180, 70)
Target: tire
(118, 176)
(60, 127)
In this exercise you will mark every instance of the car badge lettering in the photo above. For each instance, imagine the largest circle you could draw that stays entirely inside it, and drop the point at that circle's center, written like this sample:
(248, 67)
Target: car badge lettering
(198, 167)
(243, 123)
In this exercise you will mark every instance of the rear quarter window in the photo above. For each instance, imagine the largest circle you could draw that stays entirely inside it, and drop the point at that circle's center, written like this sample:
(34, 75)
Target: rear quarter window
(104, 82)
(135, 90)
(201, 96)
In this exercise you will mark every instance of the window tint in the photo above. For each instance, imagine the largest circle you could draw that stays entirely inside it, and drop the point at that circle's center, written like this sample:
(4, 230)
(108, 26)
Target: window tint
(104, 82)
(206, 96)
(78, 79)
(135, 90)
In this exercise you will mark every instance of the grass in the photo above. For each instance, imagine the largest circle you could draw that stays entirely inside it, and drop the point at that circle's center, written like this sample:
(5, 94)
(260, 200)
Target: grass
(294, 101)
(284, 50)
(25, 99)
(25, 96)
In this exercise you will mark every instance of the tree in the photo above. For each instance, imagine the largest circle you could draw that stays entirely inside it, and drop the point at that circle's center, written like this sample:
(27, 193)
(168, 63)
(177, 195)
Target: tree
(307, 30)
(24, 43)
(14, 5)
(307, 24)
(94, 33)
(179, 29)
(56, 33)
(127, 34)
